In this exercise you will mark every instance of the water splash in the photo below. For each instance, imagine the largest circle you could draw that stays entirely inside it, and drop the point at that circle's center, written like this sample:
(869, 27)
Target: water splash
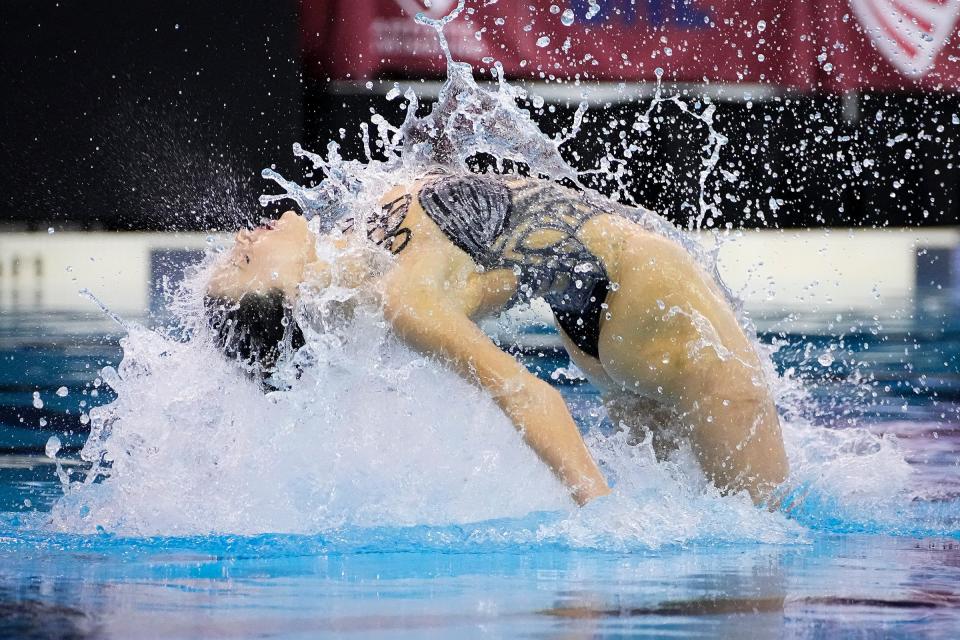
(466, 120)
(367, 437)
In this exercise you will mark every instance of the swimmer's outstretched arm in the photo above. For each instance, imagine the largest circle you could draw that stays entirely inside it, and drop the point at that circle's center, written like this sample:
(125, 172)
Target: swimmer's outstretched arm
(433, 324)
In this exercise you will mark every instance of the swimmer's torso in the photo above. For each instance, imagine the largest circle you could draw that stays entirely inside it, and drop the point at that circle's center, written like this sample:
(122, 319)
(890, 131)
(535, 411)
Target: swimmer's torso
(639, 315)
(662, 331)
(530, 227)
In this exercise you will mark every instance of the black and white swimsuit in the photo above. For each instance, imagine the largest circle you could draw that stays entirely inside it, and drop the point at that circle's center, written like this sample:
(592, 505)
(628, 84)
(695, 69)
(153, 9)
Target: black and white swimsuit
(528, 225)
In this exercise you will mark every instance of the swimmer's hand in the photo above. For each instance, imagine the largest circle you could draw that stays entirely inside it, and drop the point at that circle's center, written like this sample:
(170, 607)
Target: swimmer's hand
(540, 413)
(582, 497)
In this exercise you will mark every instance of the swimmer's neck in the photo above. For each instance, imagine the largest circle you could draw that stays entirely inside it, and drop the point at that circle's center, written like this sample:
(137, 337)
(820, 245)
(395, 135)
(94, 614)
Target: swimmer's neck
(349, 265)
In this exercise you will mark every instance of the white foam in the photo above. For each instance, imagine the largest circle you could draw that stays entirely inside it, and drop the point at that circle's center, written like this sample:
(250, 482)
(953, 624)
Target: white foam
(373, 435)
(370, 435)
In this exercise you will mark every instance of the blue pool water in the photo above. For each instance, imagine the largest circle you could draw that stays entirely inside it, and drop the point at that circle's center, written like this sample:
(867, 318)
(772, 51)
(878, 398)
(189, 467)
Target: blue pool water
(840, 566)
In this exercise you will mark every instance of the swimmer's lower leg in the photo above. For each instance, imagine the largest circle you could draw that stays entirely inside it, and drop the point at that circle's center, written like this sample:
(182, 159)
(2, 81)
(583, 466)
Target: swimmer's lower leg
(736, 441)
(738, 444)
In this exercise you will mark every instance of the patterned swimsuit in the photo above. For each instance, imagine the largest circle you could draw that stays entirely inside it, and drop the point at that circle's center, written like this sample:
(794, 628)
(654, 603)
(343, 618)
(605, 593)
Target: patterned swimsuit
(527, 225)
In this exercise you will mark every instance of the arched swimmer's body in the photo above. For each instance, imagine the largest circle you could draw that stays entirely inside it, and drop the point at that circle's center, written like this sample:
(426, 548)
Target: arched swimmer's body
(636, 312)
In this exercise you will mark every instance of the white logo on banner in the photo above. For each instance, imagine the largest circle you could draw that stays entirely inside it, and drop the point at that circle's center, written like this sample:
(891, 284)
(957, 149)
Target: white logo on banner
(909, 33)
(438, 8)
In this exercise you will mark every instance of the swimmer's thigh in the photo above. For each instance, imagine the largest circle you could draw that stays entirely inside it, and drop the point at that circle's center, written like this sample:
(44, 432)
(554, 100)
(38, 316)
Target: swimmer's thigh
(643, 349)
(723, 403)
(638, 415)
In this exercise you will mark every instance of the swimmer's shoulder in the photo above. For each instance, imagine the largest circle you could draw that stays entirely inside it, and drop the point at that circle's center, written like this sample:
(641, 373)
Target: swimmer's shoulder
(427, 243)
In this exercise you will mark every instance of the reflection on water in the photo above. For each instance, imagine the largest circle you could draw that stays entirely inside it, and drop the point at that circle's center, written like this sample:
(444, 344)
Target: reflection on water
(836, 587)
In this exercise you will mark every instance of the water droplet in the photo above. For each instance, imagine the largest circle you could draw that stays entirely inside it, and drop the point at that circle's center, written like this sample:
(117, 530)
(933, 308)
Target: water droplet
(658, 72)
(37, 402)
(42, 422)
(53, 447)
(543, 41)
(27, 503)
(50, 230)
(537, 102)
(761, 25)
(567, 17)
(554, 9)
(593, 10)
(825, 359)
(369, 84)
(62, 392)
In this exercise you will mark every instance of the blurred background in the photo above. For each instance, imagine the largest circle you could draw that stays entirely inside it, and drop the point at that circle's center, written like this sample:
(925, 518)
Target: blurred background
(159, 116)
(131, 130)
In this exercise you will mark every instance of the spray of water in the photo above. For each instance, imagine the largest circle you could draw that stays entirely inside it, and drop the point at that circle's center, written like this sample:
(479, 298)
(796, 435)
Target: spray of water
(372, 435)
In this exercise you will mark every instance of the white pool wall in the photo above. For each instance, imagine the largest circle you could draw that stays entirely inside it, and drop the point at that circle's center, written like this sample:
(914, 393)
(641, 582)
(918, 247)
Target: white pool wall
(807, 270)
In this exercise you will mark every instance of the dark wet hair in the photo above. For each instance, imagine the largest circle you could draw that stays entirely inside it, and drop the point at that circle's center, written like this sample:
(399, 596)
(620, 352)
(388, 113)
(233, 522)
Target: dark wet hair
(254, 330)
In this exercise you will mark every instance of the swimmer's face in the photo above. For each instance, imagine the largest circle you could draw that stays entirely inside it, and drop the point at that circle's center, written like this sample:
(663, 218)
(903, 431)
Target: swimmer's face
(266, 258)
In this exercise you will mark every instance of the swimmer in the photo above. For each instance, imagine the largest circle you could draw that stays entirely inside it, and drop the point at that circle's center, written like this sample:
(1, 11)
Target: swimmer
(637, 314)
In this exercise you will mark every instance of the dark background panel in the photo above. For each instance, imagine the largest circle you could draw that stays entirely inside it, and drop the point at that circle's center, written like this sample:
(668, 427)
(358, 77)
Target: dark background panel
(144, 114)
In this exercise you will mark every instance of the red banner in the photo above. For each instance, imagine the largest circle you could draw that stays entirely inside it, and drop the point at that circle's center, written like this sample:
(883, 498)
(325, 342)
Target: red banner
(888, 44)
(829, 45)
